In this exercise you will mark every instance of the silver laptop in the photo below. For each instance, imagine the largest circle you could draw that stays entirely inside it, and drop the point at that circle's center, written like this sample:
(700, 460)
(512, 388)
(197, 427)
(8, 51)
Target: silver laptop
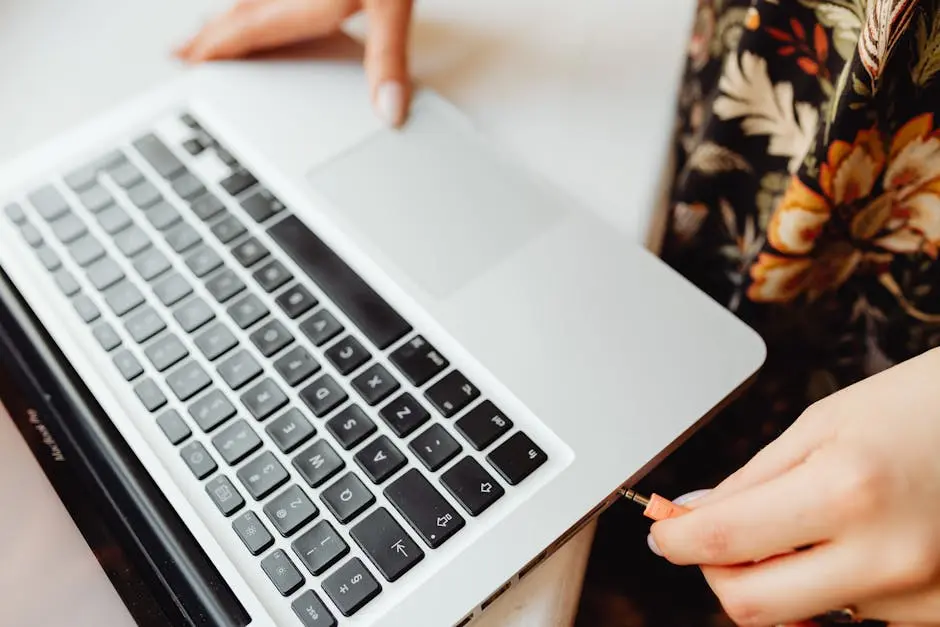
(327, 373)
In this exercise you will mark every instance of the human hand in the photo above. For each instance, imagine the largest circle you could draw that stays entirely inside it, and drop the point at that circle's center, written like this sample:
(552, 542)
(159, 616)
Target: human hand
(855, 484)
(255, 25)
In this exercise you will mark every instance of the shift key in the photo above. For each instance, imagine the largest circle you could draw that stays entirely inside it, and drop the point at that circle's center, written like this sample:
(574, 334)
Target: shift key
(424, 508)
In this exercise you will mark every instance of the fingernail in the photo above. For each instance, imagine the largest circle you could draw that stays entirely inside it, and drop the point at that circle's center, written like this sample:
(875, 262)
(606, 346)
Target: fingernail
(390, 102)
(688, 497)
(653, 546)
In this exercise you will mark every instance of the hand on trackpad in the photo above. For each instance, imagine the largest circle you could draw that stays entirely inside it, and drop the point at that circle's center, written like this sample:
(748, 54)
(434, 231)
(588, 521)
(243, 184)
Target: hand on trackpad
(435, 200)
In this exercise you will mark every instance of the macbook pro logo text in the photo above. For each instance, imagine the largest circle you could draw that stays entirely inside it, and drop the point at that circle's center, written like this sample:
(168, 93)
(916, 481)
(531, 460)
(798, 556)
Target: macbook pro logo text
(47, 438)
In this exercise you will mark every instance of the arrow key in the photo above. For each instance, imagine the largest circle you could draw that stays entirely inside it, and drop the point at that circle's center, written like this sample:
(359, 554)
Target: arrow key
(472, 486)
(385, 543)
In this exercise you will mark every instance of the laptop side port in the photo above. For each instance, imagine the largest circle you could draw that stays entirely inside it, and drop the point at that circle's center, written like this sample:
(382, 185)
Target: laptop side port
(495, 595)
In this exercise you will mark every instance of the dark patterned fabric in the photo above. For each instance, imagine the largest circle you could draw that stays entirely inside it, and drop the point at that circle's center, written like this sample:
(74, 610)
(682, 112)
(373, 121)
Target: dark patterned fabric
(806, 199)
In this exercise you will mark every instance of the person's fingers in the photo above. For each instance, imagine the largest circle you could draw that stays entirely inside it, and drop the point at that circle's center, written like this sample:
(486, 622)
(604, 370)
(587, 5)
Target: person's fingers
(765, 520)
(915, 609)
(793, 587)
(791, 448)
(386, 57)
(255, 25)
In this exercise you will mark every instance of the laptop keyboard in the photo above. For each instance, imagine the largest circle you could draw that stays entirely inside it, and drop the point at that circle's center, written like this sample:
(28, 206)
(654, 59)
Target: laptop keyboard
(296, 318)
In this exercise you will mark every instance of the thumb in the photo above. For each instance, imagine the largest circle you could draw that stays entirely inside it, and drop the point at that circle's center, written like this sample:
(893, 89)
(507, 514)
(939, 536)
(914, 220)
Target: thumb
(386, 57)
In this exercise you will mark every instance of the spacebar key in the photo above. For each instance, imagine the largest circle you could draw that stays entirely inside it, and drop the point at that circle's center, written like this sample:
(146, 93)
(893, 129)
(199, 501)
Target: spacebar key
(368, 311)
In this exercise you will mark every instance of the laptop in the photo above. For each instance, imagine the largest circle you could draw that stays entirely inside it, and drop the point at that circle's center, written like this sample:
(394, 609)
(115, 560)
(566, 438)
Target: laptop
(305, 370)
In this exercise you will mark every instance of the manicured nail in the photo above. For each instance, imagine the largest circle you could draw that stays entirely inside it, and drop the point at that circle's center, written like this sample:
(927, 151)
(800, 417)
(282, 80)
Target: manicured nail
(390, 102)
(688, 497)
(653, 546)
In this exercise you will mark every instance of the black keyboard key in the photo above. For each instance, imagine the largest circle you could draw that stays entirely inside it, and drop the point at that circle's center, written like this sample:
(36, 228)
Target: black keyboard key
(347, 355)
(375, 384)
(290, 510)
(114, 220)
(472, 486)
(261, 205)
(172, 289)
(323, 395)
(239, 369)
(262, 475)
(418, 361)
(151, 264)
(144, 324)
(350, 426)
(236, 442)
(228, 229)
(321, 327)
(517, 458)
(144, 195)
(380, 459)
(250, 252)
(86, 250)
(163, 215)
(150, 395)
(126, 175)
(225, 495)
(173, 426)
(483, 425)
(166, 352)
(271, 338)
(253, 533)
(122, 297)
(224, 286)
(67, 283)
(282, 572)
(238, 182)
(215, 341)
(188, 187)
(226, 157)
(198, 459)
(182, 237)
(311, 612)
(96, 199)
(82, 178)
(207, 207)
(424, 508)
(272, 276)
(347, 497)
(32, 235)
(127, 365)
(193, 314)
(386, 544)
(434, 447)
(317, 463)
(264, 399)
(159, 156)
(211, 410)
(15, 213)
(290, 430)
(296, 366)
(452, 393)
(111, 160)
(320, 547)
(404, 414)
(49, 259)
(247, 311)
(203, 260)
(68, 228)
(296, 301)
(190, 121)
(190, 379)
(104, 273)
(194, 147)
(351, 587)
(132, 241)
(85, 308)
(375, 318)
(48, 202)
(106, 336)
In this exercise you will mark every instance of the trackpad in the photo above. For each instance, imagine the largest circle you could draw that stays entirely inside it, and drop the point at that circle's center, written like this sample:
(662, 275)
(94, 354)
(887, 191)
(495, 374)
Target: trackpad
(435, 200)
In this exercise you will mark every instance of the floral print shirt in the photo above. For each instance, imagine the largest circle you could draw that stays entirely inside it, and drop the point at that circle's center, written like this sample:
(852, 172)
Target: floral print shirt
(806, 199)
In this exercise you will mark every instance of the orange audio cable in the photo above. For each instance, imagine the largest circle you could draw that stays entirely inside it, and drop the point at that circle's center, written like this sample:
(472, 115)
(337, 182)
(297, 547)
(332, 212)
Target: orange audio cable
(656, 507)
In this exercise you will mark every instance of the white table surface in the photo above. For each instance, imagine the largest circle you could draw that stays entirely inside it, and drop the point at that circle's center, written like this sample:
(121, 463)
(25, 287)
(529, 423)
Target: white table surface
(582, 90)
